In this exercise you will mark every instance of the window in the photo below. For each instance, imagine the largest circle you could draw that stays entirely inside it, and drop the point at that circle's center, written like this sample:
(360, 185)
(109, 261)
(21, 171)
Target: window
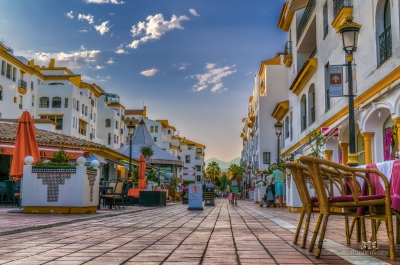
(291, 126)
(73, 122)
(77, 105)
(198, 168)
(115, 139)
(3, 67)
(1, 93)
(384, 30)
(56, 84)
(83, 108)
(108, 123)
(86, 110)
(311, 103)
(287, 132)
(94, 118)
(44, 102)
(20, 102)
(57, 119)
(14, 77)
(116, 125)
(327, 97)
(59, 123)
(8, 71)
(66, 103)
(303, 112)
(187, 159)
(109, 138)
(82, 127)
(155, 139)
(325, 17)
(266, 157)
(32, 85)
(56, 102)
(33, 100)
(199, 150)
(151, 129)
(190, 147)
(198, 178)
(156, 129)
(169, 131)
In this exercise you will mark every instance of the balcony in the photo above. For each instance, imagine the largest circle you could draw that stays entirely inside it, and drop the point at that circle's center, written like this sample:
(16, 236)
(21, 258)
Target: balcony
(22, 86)
(305, 18)
(304, 75)
(341, 10)
(56, 104)
(287, 60)
(285, 18)
(385, 45)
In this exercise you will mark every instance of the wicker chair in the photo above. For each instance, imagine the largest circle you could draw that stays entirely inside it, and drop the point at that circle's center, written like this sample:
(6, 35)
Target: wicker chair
(116, 195)
(375, 203)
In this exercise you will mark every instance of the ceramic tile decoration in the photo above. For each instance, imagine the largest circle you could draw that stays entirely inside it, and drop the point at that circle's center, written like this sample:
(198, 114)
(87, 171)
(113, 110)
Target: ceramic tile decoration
(92, 179)
(53, 180)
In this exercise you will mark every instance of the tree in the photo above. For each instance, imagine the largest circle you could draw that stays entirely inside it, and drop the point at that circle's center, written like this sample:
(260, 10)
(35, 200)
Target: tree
(213, 170)
(147, 151)
(238, 169)
(224, 180)
(316, 140)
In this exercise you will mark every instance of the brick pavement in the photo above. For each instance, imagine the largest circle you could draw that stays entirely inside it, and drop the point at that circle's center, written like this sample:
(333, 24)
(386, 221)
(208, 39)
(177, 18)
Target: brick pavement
(224, 234)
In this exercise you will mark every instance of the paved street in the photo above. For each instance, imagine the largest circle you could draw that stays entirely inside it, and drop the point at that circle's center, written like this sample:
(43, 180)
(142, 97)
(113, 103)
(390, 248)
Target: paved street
(224, 234)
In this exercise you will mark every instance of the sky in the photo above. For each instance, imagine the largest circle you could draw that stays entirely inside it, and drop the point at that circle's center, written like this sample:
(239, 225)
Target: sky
(191, 62)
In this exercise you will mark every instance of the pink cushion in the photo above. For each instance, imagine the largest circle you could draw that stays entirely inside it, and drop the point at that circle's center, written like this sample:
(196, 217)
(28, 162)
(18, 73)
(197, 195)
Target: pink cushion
(349, 198)
(314, 199)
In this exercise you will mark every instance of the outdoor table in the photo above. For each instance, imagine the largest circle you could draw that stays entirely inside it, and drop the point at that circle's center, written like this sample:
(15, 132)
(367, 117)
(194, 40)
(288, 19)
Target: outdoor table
(101, 190)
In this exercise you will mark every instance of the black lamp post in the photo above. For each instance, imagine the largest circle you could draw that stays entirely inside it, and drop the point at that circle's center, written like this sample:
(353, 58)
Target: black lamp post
(278, 131)
(349, 31)
(131, 130)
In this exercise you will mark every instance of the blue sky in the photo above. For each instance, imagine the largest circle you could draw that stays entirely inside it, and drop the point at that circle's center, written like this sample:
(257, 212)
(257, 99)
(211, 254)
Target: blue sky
(191, 62)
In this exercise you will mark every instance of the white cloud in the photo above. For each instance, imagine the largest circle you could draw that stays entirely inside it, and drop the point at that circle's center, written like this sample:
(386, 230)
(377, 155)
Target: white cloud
(73, 60)
(83, 30)
(103, 28)
(111, 61)
(87, 17)
(149, 72)
(89, 79)
(210, 65)
(154, 28)
(111, 14)
(183, 66)
(98, 67)
(213, 76)
(120, 49)
(115, 2)
(193, 12)
(70, 14)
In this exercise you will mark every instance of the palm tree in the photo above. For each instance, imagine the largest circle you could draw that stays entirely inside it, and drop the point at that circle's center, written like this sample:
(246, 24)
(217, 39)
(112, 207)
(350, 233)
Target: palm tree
(238, 169)
(147, 151)
(213, 170)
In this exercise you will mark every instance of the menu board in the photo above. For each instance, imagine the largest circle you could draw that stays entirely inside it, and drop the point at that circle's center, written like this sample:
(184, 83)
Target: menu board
(195, 197)
(209, 198)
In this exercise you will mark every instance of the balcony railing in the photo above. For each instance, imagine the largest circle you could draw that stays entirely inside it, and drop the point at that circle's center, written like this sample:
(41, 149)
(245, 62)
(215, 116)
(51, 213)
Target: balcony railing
(339, 4)
(385, 45)
(22, 84)
(305, 18)
(288, 48)
(44, 105)
(56, 104)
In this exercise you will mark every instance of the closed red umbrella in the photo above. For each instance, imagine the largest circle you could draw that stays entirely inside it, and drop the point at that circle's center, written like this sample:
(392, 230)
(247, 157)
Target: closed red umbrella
(141, 173)
(25, 145)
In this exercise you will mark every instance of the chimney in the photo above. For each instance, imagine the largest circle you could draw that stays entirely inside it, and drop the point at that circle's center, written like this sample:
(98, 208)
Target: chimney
(52, 63)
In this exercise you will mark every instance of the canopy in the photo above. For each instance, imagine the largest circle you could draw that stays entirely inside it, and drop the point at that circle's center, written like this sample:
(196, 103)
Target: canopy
(25, 145)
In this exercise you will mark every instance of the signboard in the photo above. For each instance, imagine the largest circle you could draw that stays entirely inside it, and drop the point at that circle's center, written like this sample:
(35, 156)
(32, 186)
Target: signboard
(327, 132)
(195, 197)
(335, 80)
(209, 198)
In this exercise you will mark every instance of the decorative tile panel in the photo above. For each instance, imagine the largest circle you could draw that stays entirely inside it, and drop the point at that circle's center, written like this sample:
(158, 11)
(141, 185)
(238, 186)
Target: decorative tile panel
(53, 180)
(92, 179)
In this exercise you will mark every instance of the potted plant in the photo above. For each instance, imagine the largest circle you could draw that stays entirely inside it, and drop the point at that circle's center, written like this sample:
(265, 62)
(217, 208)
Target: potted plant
(147, 151)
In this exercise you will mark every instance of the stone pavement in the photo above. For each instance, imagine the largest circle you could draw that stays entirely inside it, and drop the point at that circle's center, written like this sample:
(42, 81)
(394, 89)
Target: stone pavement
(224, 234)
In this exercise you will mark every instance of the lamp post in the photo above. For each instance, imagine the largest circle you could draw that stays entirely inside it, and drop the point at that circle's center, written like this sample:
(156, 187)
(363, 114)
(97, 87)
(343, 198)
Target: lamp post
(131, 129)
(278, 131)
(349, 31)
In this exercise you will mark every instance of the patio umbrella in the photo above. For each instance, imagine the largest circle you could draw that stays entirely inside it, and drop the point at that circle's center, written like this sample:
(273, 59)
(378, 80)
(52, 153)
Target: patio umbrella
(25, 145)
(142, 172)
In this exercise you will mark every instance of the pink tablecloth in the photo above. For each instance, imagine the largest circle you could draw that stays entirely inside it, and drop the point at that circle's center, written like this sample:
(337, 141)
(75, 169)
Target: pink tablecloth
(377, 187)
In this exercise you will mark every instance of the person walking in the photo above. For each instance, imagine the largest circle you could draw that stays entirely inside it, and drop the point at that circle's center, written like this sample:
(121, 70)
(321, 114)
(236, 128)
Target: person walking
(277, 179)
(234, 188)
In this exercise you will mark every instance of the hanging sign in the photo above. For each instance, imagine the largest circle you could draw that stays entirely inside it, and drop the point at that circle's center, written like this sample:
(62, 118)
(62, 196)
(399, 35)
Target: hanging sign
(195, 197)
(335, 80)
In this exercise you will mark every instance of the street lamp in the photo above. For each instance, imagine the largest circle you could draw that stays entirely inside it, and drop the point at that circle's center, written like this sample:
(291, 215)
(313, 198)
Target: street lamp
(131, 130)
(278, 131)
(349, 31)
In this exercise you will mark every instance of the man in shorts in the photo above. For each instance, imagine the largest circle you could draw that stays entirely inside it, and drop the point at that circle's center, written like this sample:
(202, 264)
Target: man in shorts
(277, 178)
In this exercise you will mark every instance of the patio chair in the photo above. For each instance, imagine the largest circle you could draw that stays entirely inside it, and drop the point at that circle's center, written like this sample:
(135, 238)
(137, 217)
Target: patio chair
(11, 194)
(316, 167)
(112, 197)
(124, 195)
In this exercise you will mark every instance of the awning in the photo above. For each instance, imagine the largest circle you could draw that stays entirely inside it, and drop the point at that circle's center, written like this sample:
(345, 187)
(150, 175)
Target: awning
(297, 5)
(45, 152)
(96, 157)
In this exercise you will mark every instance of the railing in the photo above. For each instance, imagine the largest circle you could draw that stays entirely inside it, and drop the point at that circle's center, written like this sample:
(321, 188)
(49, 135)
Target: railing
(304, 123)
(288, 48)
(44, 105)
(22, 84)
(339, 4)
(20, 106)
(56, 104)
(385, 45)
(304, 19)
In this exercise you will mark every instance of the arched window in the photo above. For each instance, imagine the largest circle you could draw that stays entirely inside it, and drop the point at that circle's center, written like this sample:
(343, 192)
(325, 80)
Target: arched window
(303, 112)
(287, 132)
(156, 129)
(384, 30)
(311, 104)
(1, 93)
(77, 106)
(108, 123)
(44, 102)
(56, 102)
(151, 129)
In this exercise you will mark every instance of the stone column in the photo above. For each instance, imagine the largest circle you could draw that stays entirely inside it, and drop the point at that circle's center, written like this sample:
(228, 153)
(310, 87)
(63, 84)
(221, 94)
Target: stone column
(328, 154)
(367, 145)
(345, 153)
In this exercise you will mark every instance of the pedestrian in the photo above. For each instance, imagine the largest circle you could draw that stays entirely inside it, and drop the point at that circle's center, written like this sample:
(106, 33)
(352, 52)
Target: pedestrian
(277, 179)
(209, 185)
(234, 188)
(101, 184)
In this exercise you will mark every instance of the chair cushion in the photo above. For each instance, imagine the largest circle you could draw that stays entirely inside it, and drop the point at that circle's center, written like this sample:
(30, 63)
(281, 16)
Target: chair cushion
(111, 196)
(349, 198)
(16, 194)
(314, 199)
